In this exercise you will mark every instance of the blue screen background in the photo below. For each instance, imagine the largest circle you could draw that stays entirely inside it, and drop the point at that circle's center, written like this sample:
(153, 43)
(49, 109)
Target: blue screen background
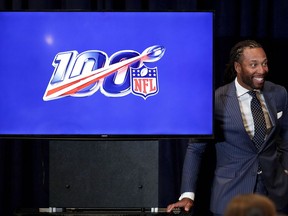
(29, 42)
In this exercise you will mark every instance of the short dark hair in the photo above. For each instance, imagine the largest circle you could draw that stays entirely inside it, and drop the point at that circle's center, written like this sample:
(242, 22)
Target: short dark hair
(235, 56)
(250, 205)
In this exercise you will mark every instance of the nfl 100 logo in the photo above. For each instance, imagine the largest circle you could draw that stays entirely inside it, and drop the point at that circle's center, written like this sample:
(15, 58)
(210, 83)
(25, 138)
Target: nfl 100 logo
(124, 72)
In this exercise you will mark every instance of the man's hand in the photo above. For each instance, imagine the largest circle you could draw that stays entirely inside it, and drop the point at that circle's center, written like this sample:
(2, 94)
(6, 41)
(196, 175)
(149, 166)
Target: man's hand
(185, 203)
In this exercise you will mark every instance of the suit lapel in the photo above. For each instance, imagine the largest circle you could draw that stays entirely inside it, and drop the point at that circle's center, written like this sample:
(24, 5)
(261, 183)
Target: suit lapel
(234, 108)
(271, 107)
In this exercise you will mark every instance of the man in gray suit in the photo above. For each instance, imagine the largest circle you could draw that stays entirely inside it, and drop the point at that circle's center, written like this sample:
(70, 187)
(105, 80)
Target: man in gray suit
(242, 167)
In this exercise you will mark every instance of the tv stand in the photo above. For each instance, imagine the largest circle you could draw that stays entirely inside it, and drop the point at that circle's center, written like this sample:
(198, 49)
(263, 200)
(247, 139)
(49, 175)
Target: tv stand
(103, 174)
(99, 212)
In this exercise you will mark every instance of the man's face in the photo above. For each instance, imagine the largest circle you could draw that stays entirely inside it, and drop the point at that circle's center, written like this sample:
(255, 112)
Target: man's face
(252, 68)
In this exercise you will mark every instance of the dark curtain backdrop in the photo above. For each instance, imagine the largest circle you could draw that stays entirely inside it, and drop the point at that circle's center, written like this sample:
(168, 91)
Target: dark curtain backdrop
(24, 163)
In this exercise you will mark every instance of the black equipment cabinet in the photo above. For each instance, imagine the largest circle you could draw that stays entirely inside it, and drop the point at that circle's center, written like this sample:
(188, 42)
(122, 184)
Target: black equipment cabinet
(103, 174)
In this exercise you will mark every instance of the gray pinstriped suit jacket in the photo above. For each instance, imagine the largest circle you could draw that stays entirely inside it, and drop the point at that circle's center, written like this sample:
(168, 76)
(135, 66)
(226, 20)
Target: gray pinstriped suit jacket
(237, 157)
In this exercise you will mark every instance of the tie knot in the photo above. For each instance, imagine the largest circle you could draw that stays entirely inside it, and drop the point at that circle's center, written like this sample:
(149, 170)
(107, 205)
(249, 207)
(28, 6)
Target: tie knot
(252, 93)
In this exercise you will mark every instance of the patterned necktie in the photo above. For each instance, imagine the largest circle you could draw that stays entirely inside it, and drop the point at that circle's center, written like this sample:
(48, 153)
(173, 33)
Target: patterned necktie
(259, 120)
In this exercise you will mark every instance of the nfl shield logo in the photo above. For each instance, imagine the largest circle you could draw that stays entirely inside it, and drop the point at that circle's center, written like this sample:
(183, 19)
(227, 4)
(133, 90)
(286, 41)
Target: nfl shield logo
(144, 81)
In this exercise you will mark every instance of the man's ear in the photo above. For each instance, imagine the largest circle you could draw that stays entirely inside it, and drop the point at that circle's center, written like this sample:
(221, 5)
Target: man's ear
(237, 67)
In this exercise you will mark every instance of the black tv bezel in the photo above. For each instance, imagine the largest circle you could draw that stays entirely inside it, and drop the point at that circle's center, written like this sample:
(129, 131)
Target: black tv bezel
(128, 137)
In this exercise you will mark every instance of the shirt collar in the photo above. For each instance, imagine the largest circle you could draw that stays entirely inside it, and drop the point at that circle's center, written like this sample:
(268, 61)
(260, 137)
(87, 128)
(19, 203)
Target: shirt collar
(240, 90)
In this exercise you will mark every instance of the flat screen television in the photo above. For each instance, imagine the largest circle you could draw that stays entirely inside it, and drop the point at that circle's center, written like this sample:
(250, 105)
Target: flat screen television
(106, 74)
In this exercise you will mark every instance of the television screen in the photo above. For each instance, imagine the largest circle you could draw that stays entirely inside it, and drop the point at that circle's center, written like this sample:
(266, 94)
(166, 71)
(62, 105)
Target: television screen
(106, 74)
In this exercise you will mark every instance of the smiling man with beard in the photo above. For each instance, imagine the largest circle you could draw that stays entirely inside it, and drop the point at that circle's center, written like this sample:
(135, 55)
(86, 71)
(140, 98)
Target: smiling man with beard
(249, 158)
